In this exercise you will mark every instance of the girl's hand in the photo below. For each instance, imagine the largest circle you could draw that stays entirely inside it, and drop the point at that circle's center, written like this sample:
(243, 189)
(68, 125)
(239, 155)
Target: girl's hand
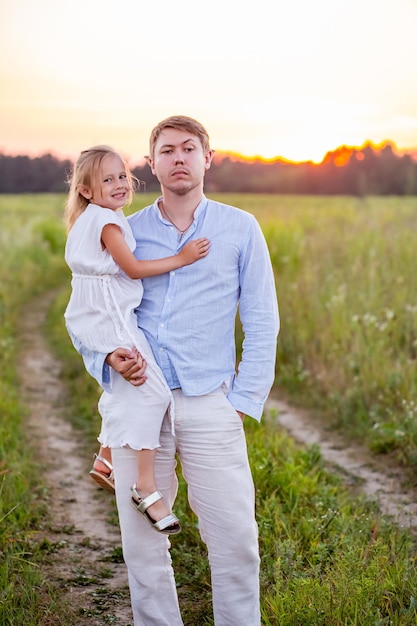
(194, 250)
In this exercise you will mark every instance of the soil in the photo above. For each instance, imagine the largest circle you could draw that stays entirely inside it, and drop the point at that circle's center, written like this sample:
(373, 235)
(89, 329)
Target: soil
(86, 558)
(84, 562)
(379, 478)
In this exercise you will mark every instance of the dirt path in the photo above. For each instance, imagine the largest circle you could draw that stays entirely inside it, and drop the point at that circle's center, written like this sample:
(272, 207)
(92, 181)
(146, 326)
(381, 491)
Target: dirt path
(84, 537)
(392, 487)
(85, 540)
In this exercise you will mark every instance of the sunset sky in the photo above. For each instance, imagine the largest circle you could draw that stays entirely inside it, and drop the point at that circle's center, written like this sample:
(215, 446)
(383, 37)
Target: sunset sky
(270, 78)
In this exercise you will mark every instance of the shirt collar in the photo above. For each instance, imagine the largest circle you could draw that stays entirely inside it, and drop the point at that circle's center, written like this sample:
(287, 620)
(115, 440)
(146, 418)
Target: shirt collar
(199, 210)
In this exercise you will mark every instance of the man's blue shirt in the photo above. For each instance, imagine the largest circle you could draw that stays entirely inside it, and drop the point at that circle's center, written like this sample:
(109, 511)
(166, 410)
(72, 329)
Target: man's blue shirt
(188, 315)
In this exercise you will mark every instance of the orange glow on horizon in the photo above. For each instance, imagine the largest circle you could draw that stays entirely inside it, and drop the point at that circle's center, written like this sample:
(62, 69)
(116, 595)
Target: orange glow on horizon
(237, 156)
(340, 156)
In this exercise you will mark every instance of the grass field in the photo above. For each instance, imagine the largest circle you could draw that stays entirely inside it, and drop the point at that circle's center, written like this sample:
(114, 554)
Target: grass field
(348, 346)
(346, 280)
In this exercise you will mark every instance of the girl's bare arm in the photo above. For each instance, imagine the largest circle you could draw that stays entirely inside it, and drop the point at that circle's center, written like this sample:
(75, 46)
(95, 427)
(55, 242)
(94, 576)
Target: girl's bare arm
(113, 240)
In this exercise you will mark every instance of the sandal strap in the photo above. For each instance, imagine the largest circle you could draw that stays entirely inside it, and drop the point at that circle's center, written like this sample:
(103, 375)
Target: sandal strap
(97, 457)
(143, 504)
(165, 522)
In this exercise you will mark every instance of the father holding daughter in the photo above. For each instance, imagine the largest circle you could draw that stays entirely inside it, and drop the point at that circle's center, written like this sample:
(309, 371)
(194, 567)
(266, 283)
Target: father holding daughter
(188, 317)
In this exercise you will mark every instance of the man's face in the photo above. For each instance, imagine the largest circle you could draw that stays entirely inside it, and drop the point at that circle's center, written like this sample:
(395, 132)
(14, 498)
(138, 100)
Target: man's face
(179, 162)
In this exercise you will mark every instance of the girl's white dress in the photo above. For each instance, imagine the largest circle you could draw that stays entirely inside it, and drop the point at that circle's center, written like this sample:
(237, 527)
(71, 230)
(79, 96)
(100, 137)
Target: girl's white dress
(100, 313)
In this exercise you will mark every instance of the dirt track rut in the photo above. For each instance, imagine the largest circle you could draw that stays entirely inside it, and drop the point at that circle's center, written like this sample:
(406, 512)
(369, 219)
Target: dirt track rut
(85, 540)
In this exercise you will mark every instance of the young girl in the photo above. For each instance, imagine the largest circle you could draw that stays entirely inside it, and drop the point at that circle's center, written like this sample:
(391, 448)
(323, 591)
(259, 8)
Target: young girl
(100, 313)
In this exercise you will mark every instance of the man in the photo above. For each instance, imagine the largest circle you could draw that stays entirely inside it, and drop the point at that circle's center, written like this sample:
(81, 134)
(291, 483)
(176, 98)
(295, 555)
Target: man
(188, 317)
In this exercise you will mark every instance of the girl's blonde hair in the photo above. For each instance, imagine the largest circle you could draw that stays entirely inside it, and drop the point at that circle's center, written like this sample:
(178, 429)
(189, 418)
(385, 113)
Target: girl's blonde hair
(85, 173)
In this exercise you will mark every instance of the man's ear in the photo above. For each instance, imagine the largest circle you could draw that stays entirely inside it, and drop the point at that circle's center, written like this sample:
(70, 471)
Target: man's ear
(209, 158)
(85, 192)
(149, 161)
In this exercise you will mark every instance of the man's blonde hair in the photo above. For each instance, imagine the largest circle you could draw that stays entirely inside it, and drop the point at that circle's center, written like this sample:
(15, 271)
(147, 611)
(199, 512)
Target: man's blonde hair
(180, 122)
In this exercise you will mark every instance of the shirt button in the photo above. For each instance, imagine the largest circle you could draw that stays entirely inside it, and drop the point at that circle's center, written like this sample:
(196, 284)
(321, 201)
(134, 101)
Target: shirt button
(162, 324)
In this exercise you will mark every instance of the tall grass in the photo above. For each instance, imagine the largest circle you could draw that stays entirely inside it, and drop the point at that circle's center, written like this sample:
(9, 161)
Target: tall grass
(346, 301)
(31, 241)
(345, 272)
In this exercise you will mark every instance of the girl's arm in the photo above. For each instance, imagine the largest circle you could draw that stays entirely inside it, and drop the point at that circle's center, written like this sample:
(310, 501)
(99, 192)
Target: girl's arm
(113, 240)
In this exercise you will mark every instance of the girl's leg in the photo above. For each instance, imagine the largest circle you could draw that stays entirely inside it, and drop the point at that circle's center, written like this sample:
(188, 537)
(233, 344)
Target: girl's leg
(98, 465)
(146, 483)
(102, 472)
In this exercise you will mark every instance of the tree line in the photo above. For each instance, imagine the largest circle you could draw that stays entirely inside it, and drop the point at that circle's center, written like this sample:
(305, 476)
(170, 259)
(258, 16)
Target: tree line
(368, 170)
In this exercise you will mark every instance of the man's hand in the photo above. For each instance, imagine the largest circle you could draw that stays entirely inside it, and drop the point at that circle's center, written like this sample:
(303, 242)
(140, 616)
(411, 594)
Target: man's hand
(241, 415)
(129, 364)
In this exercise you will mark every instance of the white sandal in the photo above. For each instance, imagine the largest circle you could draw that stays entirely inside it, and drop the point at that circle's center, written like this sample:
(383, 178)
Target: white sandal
(104, 480)
(169, 525)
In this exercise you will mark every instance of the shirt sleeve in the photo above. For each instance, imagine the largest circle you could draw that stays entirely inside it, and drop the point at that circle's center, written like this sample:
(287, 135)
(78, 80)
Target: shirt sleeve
(94, 363)
(258, 310)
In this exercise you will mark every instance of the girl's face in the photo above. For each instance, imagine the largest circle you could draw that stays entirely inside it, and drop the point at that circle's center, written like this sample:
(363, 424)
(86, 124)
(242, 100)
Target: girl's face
(111, 189)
